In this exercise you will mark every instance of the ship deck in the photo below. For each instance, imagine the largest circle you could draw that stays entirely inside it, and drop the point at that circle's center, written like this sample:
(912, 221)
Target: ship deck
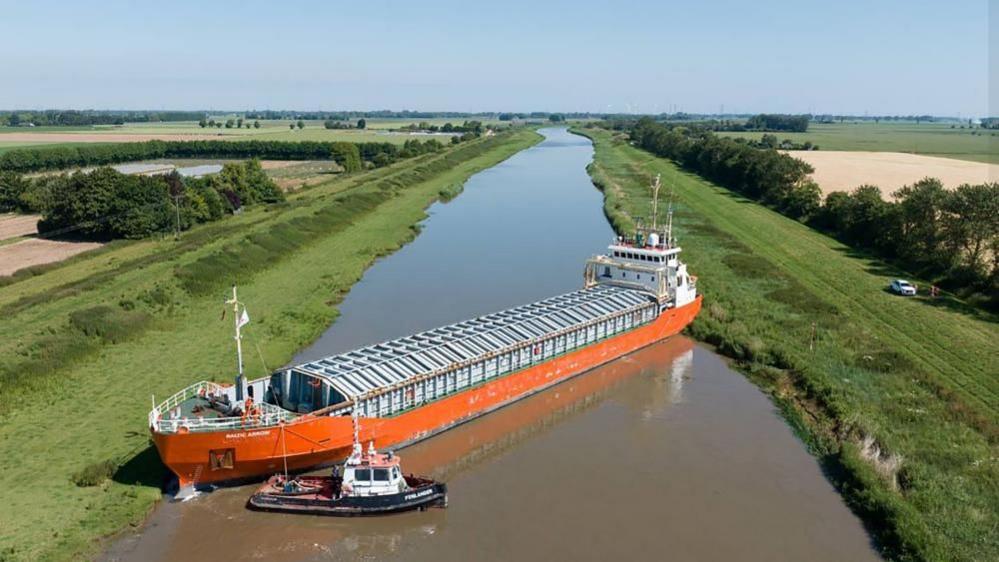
(197, 407)
(389, 363)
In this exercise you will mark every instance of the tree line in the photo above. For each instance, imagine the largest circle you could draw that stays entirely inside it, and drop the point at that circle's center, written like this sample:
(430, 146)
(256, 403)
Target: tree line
(105, 204)
(68, 117)
(770, 141)
(951, 237)
(349, 155)
(237, 123)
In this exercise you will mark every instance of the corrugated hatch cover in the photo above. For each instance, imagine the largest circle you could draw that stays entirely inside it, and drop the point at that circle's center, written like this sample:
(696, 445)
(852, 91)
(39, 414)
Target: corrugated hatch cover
(385, 364)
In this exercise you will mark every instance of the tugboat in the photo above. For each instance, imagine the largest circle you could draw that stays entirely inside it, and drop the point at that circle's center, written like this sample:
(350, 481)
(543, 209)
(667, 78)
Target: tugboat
(372, 484)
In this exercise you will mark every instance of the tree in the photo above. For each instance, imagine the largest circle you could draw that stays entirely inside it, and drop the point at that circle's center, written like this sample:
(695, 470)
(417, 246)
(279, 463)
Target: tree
(556, 118)
(229, 123)
(291, 126)
(12, 190)
(971, 225)
(361, 124)
(301, 124)
(106, 204)
(347, 155)
(920, 207)
(239, 123)
(218, 124)
(202, 123)
(256, 124)
(211, 122)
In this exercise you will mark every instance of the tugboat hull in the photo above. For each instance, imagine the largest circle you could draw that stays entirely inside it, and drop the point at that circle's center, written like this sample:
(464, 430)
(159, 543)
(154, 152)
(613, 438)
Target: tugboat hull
(423, 493)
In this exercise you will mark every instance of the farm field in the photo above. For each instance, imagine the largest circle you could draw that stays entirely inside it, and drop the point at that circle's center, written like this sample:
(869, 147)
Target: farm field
(846, 170)
(37, 251)
(82, 467)
(934, 139)
(13, 226)
(10, 145)
(377, 131)
(898, 398)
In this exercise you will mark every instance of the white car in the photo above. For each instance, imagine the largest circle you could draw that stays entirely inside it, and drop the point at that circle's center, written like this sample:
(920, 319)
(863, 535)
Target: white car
(902, 287)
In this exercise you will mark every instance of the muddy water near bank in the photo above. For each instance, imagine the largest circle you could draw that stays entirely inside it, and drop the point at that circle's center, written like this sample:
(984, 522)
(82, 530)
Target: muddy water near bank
(665, 453)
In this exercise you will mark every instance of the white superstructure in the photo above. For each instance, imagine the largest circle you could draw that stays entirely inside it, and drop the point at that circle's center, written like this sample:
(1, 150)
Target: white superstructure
(649, 262)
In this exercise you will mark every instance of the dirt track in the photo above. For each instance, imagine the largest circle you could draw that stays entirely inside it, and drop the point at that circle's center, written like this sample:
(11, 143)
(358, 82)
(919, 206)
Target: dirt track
(38, 251)
(12, 226)
(845, 170)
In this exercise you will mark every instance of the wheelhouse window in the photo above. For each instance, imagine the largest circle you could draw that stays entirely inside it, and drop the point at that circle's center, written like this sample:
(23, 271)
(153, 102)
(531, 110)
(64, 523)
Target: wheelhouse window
(381, 475)
(362, 474)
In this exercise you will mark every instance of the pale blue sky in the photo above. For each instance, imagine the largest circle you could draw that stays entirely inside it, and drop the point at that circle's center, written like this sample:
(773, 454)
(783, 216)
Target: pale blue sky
(847, 56)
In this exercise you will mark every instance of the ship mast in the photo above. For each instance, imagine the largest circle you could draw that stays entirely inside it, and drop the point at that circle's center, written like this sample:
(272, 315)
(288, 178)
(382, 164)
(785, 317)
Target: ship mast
(237, 320)
(669, 220)
(655, 201)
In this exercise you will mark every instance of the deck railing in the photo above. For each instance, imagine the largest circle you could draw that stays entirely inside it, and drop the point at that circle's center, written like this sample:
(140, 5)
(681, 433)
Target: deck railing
(160, 420)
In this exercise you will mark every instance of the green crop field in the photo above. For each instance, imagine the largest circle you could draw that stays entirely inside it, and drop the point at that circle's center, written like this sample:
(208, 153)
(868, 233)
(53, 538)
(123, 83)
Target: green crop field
(84, 344)
(10, 145)
(935, 139)
(897, 397)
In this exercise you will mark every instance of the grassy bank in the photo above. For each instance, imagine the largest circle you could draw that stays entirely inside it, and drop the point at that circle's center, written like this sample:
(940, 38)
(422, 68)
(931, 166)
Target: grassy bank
(86, 344)
(934, 139)
(898, 398)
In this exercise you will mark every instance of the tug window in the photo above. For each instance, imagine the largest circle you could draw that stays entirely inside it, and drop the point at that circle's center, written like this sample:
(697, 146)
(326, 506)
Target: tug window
(395, 472)
(381, 475)
(362, 474)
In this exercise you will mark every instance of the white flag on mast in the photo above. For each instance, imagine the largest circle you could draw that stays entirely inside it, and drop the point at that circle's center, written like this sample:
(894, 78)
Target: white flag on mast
(244, 318)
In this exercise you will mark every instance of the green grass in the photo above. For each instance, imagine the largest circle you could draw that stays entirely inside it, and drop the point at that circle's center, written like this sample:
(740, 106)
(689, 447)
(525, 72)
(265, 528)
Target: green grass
(935, 139)
(11, 145)
(916, 377)
(99, 335)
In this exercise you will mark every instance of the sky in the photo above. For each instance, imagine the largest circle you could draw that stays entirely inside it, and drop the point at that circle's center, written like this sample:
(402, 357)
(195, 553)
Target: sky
(874, 57)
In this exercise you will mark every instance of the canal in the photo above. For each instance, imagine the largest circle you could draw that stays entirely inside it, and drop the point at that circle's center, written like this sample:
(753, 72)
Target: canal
(663, 454)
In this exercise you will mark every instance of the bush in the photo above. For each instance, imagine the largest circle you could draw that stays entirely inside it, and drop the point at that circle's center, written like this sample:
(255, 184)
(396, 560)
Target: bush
(113, 325)
(95, 474)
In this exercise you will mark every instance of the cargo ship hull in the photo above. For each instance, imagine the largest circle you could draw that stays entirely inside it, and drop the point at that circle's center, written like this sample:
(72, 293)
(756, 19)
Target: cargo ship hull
(312, 441)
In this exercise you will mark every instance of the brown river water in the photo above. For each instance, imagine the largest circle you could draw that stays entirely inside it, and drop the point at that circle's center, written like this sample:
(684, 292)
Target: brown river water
(663, 454)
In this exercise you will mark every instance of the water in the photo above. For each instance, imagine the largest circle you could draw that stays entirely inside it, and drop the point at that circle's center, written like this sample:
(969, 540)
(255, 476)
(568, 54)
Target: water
(665, 453)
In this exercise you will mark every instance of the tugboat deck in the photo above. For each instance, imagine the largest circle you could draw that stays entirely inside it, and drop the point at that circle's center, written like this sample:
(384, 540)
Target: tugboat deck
(378, 366)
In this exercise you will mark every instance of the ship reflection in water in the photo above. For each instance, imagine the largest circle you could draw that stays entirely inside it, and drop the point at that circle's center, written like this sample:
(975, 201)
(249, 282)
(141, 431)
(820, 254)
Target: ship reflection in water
(663, 453)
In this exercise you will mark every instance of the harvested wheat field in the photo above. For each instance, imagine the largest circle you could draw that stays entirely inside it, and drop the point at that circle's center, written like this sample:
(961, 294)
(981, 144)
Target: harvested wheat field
(38, 251)
(845, 170)
(98, 137)
(12, 226)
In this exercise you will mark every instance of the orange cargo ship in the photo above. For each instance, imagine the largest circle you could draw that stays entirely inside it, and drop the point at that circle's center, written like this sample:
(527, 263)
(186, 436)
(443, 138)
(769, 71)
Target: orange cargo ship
(411, 388)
